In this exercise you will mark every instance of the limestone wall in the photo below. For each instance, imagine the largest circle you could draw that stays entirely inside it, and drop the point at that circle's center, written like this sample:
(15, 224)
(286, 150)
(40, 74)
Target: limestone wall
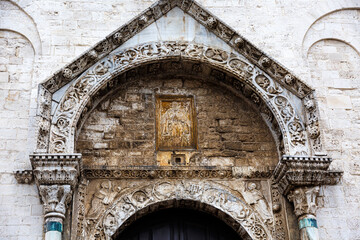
(39, 37)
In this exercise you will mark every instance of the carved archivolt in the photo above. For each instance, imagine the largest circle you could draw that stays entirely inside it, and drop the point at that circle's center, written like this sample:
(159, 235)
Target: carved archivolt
(246, 77)
(251, 224)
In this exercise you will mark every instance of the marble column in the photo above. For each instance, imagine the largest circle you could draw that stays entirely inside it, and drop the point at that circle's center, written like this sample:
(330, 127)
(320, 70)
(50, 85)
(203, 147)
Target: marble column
(304, 199)
(56, 199)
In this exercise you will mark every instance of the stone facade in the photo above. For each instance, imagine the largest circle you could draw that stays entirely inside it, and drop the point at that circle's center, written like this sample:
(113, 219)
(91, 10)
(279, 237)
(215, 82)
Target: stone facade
(318, 41)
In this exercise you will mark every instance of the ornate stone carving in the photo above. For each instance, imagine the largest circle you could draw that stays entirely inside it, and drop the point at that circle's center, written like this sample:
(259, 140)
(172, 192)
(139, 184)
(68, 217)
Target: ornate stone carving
(67, 113)
(67, 73)
(254, 196)
(304, 199)
(293, 171)
(56, 199)
(50, 169)
(154, 12)
(211, 22)
(313, 124)
(103, 196)
(25, 176)
(280, 228)
(207, 193)
(178, 173)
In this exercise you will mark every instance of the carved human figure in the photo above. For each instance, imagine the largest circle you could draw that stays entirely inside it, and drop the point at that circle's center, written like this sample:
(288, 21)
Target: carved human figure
(255, 197)
(175, 124)
(104, 196)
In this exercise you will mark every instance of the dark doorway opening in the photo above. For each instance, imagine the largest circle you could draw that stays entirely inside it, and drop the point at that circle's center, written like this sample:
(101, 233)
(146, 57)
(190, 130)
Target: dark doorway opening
(178, 224)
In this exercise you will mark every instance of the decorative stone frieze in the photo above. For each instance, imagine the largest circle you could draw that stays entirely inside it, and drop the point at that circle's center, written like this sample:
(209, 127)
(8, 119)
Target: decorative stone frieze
(177, 172)
(294, 171)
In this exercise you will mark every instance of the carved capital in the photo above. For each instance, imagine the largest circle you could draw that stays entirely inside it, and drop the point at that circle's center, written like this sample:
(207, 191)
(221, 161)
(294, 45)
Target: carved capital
(297, 171)
(304, 199)
(56, 199)
(51, 169)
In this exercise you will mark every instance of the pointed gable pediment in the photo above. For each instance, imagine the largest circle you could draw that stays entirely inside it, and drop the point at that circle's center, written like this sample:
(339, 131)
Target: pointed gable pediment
(183, 20)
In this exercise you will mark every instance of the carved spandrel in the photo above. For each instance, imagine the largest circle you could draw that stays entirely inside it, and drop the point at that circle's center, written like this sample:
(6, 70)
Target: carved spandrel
(175, 122)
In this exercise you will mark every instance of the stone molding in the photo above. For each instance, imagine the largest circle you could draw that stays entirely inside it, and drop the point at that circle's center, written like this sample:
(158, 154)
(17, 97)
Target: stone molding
(295, 171)
(204, 17)
(176, 172)
(56, 169)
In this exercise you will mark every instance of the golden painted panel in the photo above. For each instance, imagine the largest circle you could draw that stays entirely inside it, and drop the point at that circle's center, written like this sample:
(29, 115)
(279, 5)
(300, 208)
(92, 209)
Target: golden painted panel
(175, 123)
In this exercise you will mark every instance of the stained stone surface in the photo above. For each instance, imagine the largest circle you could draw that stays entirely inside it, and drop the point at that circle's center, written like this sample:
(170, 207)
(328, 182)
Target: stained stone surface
(121, 131)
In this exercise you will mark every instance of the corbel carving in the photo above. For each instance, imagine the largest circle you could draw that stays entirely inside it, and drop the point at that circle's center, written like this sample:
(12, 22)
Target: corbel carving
(297, 171)
(24, 177)
(56, 169)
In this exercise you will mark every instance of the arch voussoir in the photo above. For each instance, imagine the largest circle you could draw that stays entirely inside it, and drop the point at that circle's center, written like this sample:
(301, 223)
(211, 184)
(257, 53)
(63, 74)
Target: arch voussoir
(228, 67)
(203, 196)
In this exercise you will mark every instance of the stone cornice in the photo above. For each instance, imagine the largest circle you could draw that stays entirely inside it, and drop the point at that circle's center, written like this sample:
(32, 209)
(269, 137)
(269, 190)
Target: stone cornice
(204, 17)
(51, 169)
(295, 171)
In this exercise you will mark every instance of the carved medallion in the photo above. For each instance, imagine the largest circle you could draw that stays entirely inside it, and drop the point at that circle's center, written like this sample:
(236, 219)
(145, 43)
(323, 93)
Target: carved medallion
(175, 123)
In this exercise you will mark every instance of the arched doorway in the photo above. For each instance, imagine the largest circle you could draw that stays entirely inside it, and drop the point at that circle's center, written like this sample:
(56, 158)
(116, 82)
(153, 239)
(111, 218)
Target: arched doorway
(178, 224)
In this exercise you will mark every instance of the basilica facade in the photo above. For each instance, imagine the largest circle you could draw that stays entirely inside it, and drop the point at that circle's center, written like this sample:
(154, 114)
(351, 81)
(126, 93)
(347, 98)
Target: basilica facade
(180, 119)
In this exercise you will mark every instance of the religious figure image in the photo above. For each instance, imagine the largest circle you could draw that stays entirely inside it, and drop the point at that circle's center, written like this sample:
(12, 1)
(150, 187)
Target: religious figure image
(175, 123)
(254, 196)
(103, 196)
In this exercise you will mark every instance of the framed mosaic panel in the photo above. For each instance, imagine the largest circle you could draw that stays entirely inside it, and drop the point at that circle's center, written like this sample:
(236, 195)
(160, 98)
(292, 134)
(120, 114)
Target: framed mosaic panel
(175, 123)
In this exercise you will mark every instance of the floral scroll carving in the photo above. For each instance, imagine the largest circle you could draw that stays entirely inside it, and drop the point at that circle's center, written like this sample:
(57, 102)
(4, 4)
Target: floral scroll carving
(208, 193)
(257, 86)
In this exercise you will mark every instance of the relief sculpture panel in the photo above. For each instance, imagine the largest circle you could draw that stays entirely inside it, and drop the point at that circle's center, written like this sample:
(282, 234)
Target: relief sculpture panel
(245, 205)
(175, 123)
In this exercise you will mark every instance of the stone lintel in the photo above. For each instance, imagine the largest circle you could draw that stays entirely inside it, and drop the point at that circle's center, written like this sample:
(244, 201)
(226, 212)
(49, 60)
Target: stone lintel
(297, 171)
(185, 172)
(56, 169)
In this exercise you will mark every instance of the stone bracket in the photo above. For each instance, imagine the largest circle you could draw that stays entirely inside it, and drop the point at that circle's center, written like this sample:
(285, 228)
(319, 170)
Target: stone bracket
(24, 176)
(297, 171)
(56, 169)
